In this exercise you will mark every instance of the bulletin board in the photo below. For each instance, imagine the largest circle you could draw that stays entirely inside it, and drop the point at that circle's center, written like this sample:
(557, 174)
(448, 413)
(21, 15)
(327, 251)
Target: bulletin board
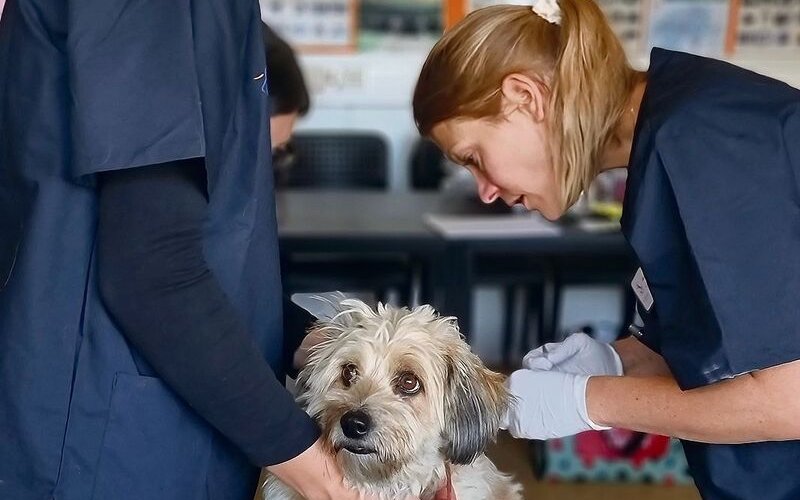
(314, 26)
(344, 26)
(765, 26)
(696, 26)
(401, 25)
(717, 28)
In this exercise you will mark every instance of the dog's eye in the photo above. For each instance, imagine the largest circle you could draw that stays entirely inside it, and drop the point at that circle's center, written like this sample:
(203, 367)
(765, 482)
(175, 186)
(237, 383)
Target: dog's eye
(349, 374)
(408, 384)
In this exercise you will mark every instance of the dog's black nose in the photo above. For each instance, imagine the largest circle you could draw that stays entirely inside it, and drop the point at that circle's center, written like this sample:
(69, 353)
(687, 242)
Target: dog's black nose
(355, 424)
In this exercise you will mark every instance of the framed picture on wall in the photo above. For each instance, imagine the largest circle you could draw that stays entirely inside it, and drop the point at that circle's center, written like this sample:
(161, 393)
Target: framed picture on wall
(627, 20)
(400, 25)
(765, 27)
(314, 26)
(695, 26)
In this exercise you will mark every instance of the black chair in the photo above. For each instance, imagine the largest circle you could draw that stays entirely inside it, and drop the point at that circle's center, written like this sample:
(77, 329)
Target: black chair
(342, 161)
(590, 270)
(522, 279)
(337, 160)
(427, 165)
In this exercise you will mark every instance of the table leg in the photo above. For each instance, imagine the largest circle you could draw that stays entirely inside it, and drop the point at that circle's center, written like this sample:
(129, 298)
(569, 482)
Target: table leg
(457, 281)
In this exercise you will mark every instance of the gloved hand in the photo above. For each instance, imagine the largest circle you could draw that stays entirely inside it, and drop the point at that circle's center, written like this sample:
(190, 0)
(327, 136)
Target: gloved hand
(547, 405)
(579, 354)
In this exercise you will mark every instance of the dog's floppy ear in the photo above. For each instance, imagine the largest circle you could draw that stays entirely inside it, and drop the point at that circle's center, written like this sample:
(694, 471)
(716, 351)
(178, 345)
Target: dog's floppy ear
(474, 404)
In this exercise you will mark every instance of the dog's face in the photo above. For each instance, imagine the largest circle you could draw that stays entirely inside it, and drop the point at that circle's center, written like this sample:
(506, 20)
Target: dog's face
(395, 390)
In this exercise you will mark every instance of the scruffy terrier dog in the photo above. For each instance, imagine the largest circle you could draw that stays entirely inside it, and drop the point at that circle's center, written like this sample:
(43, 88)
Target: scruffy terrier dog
(400, 398)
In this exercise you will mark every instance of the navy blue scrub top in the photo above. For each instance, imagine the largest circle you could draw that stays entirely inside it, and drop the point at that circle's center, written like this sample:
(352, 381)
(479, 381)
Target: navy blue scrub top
(712, 211)
(95, 85)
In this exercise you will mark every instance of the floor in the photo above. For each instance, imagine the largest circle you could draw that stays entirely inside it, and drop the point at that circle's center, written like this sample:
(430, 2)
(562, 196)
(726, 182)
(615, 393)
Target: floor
(511, 456)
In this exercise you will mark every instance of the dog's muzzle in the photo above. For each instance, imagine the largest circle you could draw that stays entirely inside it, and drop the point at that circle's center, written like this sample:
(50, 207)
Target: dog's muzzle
(356, 425)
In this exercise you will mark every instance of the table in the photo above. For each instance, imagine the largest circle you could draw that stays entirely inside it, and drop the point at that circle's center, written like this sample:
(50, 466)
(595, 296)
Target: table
(329, 221)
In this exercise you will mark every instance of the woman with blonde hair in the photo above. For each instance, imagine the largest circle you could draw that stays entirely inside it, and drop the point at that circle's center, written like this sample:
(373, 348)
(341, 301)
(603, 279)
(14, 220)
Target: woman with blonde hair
(537, 100)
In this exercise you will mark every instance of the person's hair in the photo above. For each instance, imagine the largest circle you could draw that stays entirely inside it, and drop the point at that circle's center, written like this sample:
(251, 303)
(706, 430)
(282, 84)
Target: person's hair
(580, 62)
(287, 87)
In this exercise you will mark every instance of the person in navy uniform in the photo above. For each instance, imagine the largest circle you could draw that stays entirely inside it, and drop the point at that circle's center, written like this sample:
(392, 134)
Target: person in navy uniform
(141, 331)
(537, 100)
(288, 93)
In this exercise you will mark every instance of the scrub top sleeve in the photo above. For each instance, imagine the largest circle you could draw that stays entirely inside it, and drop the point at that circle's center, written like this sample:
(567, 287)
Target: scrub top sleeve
(134, 89)
(160, 292)
(736, 187)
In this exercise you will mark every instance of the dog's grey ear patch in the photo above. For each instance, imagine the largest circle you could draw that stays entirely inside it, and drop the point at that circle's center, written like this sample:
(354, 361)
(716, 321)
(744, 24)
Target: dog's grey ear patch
(474, 402)
(466, 435)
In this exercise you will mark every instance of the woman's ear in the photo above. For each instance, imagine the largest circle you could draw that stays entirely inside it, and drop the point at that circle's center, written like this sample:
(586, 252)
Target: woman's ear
(521, 92)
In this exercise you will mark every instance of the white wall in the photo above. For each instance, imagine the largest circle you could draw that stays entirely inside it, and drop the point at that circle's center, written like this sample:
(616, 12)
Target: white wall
(369, 91)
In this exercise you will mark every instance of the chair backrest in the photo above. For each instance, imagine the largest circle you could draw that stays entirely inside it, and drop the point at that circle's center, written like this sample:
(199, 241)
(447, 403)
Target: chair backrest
(338, 160)
(427, 165)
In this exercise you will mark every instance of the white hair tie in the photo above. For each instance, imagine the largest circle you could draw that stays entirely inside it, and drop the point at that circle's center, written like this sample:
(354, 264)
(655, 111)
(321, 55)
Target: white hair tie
(547, 10)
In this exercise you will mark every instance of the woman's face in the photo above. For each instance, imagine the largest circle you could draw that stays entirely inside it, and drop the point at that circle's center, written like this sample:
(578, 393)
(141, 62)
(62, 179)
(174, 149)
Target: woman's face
(509, 159)
(280, 129)
(509, 156)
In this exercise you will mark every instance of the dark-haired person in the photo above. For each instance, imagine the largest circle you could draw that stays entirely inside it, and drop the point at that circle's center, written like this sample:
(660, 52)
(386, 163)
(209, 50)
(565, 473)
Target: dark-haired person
(288, 93)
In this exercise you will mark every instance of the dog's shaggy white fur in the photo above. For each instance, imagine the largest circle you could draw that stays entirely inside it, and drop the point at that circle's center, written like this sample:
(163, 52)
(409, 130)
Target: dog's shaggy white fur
(399, 396)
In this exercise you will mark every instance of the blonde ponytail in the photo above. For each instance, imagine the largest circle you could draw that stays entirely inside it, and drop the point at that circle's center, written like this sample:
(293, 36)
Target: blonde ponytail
(579, 60)
(590, 91)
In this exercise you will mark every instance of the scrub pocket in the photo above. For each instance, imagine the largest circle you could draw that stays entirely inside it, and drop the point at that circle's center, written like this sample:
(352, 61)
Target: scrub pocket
(154, 446)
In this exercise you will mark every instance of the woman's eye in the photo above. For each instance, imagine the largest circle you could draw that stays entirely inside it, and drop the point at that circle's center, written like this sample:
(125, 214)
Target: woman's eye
(474, 163)
(349, 374)
(408, 384)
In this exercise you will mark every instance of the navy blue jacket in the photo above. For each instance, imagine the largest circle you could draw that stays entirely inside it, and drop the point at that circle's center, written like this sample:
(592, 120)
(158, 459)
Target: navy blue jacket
(96, 85)
(712, 211)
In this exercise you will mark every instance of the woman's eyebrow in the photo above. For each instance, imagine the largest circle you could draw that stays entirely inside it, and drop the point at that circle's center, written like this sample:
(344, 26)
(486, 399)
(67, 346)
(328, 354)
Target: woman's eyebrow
(456, 157)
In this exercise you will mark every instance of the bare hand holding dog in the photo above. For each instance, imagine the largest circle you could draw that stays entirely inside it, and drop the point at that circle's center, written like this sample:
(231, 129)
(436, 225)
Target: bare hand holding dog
(301, 355)
(316, 476)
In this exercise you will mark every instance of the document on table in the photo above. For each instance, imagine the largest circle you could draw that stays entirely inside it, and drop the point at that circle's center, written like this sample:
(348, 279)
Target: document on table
(491, 226)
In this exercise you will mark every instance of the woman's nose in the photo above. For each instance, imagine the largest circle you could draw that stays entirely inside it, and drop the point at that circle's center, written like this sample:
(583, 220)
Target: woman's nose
(487, 191)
